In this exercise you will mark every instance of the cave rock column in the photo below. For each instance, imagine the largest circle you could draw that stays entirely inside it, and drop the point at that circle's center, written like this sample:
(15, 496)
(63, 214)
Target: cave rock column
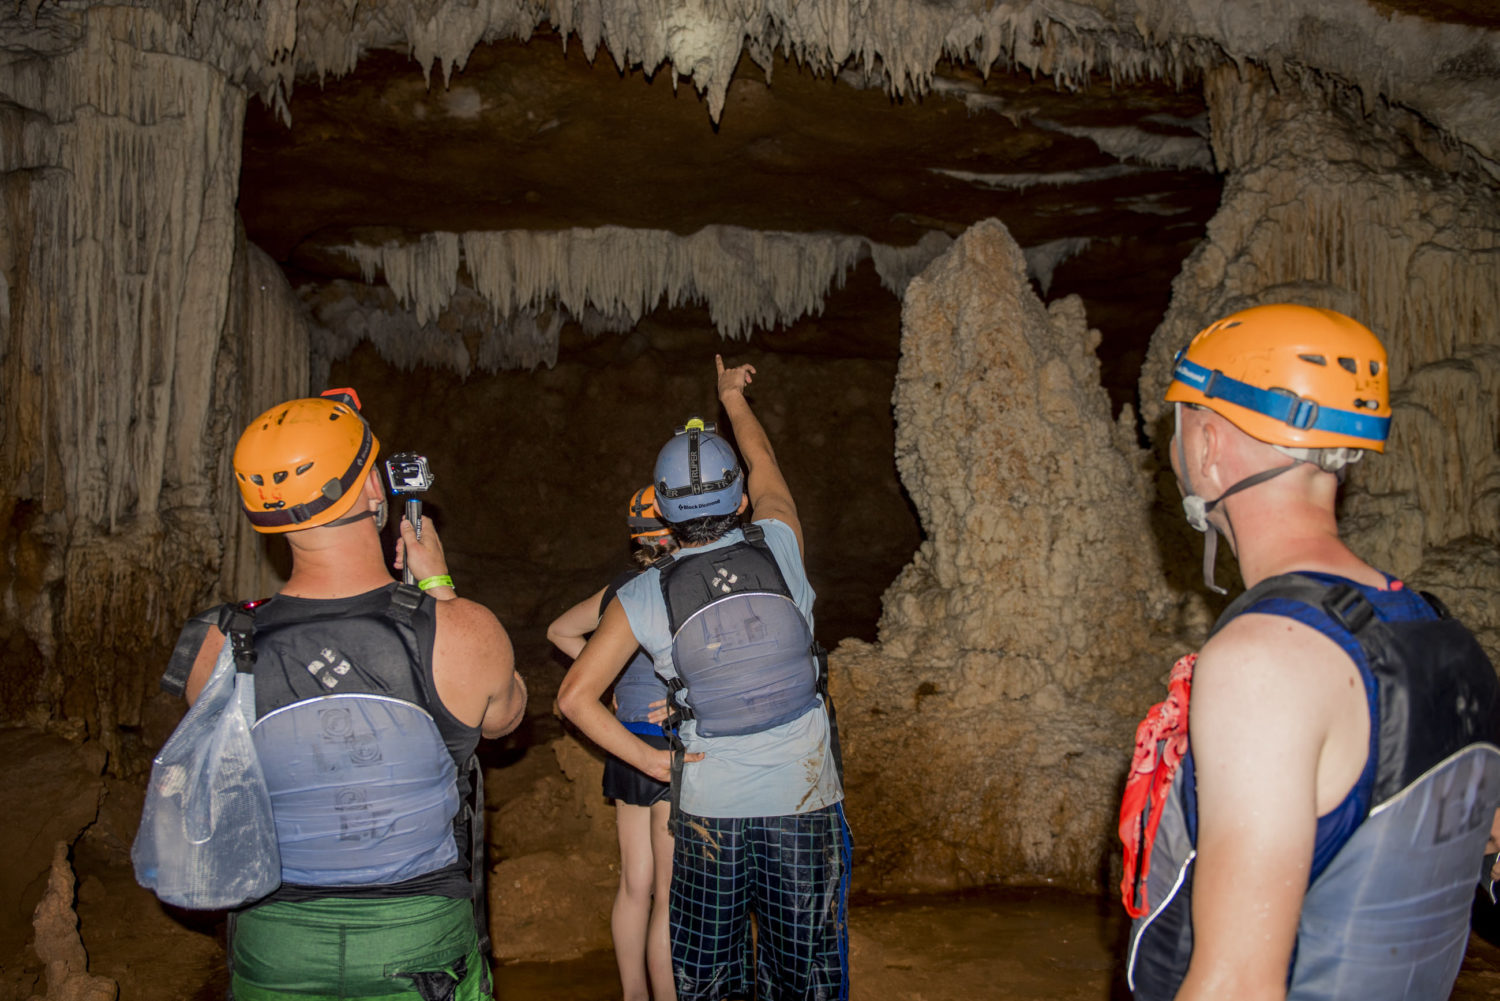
(988, 730)
(127, 343)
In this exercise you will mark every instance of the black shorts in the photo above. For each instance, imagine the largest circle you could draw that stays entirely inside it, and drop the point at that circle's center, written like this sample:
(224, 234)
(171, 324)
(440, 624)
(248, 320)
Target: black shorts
(628, 784)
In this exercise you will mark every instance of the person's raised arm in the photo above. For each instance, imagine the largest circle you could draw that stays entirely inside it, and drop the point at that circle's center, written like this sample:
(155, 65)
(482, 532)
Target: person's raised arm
(567, 631)
(769, 495)
(602, 659)
(1257, 729)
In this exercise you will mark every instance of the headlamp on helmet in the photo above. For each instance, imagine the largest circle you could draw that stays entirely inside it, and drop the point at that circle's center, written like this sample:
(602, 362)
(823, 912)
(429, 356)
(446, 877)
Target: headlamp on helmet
(697, 475)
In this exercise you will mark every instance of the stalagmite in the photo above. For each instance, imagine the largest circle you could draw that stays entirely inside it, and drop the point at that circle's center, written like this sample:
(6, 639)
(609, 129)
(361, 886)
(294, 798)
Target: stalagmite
(58, 945)
(1034, 604)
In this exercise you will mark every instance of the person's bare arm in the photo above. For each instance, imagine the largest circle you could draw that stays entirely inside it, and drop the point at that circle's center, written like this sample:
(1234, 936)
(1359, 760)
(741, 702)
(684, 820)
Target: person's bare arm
(568, 630)
(474, 666)
(602, 659)
(203, 664)
(1259, 719)
(769, 495)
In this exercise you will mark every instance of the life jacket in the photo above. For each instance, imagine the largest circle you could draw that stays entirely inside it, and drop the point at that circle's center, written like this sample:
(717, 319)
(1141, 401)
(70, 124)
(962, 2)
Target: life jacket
(1387, 914)
(743, 657)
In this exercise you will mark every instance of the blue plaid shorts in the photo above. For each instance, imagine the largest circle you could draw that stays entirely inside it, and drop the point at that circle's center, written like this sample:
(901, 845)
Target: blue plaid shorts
(792, 873)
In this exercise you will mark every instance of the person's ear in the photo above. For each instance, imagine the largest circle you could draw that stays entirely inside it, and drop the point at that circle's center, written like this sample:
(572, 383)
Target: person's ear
(744, 504)
(374, 487)
(1210, 451)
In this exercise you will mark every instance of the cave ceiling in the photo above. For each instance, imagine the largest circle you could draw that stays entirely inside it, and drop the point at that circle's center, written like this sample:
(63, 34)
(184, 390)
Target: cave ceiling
(529, 136)
(1088, 144)
(1117, 178)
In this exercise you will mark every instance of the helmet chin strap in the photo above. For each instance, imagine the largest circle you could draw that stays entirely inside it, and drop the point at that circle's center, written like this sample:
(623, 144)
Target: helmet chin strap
(379, 514)
(1197, 509)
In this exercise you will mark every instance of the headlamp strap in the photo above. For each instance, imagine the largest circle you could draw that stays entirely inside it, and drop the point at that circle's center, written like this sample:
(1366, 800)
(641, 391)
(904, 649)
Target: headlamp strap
(695, 473)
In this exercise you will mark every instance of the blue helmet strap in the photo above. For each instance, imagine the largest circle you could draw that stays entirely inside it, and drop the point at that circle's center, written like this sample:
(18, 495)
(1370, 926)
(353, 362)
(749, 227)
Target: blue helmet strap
(1281, 404)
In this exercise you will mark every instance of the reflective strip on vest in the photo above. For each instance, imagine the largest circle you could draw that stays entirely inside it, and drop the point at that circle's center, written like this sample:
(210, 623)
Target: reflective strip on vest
(362, 787)
(747, 662)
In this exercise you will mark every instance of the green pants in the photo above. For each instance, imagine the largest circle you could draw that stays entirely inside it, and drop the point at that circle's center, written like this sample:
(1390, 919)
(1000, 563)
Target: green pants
(340, 949)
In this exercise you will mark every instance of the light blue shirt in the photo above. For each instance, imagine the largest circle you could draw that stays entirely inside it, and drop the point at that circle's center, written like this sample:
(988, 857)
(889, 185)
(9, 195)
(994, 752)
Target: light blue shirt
(785, 770)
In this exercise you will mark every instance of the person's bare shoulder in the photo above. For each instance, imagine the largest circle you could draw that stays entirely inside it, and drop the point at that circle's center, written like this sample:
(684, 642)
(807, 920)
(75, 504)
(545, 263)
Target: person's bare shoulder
(473, 662)
(1279, 704)
(1269, 659)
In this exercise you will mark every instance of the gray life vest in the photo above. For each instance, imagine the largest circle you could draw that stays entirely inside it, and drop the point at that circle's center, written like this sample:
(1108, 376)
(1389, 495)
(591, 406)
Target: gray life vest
(1388, 917)
(366, 770)
(742, 652)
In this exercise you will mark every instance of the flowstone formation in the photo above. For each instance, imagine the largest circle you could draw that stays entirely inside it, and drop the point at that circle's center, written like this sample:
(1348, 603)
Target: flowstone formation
(134, 321)
(986, 733)
(1399, 231)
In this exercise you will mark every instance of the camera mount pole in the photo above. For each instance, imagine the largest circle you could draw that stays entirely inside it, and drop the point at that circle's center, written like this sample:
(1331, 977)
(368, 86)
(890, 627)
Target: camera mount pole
(408, 473)
(413, 515)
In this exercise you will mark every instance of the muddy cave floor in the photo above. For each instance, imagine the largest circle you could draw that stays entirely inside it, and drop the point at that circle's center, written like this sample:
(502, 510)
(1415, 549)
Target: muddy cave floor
(1040, 944)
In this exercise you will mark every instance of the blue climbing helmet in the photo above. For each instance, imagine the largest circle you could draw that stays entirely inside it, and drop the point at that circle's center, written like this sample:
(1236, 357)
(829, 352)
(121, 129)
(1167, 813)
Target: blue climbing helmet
(697, 475)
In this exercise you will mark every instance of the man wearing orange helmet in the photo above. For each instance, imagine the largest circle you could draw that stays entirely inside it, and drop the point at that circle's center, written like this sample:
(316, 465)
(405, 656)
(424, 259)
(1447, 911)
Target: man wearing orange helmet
(1307, 812)
(370, 699)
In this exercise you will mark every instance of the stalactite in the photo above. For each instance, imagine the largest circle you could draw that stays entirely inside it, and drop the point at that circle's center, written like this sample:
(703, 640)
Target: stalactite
(1059, 178)
(1388, 57)
(1043, 259)
(748, 279)
(1136, 145)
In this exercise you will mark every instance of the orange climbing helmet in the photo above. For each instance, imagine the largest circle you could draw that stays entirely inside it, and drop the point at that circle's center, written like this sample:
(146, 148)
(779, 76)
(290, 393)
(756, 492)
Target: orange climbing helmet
(1292, 376)
(645, 525)
(300, 464)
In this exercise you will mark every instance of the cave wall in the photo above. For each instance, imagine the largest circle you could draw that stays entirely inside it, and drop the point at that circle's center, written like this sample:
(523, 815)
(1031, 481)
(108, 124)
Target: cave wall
(135, 319)
(1034, 626)
(1331, 205)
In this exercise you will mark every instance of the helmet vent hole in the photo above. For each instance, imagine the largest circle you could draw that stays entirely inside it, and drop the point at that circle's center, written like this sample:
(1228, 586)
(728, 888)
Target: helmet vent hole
(1349, 365)
(304, 468)
(335, 416)
(256, 479)
(279, 476)
(1374, 368)
(1314, 359)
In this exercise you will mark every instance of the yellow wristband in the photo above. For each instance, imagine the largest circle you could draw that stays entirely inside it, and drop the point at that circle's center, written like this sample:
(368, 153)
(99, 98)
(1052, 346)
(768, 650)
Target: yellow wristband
(439, 580)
